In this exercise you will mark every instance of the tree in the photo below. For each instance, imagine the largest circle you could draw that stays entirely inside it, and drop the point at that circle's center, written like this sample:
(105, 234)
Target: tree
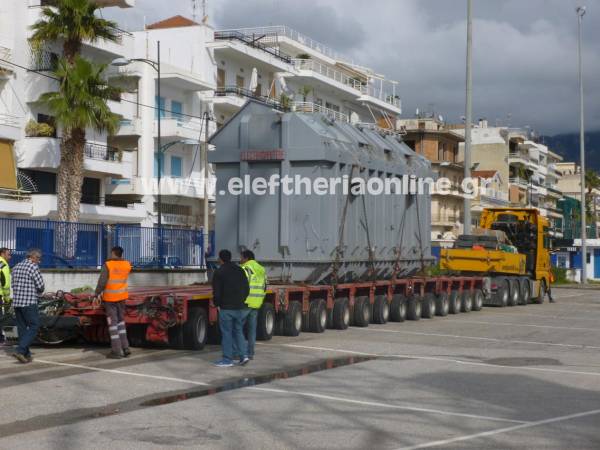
(592, 183)
(73, 22)
(79, 103)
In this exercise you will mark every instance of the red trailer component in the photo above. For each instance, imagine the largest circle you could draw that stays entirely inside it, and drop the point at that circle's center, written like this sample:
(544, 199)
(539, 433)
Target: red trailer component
(184, 317)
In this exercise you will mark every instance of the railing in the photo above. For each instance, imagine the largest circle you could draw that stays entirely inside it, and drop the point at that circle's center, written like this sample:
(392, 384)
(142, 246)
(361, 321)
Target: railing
(448, 218)
(86, 245)
(282, 30)
(16, 195)
(252, 41)
(379, 93)
(328, 71)
(10, 120)
(101, 152)
(241, 92)
(43, 60)
(308, 107)
(518, 180)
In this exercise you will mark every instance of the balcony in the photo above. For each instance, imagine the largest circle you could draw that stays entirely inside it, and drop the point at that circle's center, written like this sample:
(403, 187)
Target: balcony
(232, 98)
(15, 203)
(10, 127)
(521, 182)
(191, 187)
(445, 220)
(183, 79)
(130, 127)
(44, 153)
(252, 40)
(313, 108)
(178, 128)
(44, 205)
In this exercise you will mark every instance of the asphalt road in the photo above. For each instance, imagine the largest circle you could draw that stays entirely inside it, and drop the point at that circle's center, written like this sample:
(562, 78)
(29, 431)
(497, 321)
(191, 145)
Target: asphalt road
(521, 377)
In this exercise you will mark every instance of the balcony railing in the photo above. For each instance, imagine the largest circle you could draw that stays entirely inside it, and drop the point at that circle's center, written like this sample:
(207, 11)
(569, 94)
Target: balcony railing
(252, 40)
(241, 92)
(101, 152)
(308, 107)
(10, 120)
(15, 195)
(329, 72)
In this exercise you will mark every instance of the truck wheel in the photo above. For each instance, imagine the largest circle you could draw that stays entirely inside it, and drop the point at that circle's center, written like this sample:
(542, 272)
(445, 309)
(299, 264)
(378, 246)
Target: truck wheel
(279, 324)
(381, 310)
(292, 323)
(466, 301)
(317, 316)
(542, 294)
(398, 308)
(513, 299)
(265, 322)
(340, 314)
(502, 292)
(413, 311)
(478, 300)
(195, 330)
(441, 304)
(428, 307)
(454, 302)
(525, 291)
(362, 312)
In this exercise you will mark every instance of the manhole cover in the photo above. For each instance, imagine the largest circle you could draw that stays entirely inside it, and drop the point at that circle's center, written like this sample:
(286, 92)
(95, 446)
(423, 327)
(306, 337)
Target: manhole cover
(524, 362)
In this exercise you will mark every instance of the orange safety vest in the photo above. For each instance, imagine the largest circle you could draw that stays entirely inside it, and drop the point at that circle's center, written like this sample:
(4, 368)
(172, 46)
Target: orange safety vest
(116, 285)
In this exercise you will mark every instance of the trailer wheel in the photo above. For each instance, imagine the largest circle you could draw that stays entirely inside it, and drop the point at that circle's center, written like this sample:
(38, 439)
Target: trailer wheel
(502, 293)
(441, 304)
(292, 323)
(398, 308)
(542, 294)
(478, 300)
(525, 291)
(454, 302)
(317, 316)
(195, 330)
(362, 312)
(428, 309)
(381, 310)
(265, 322)
(341, 314)
(414, 308)
(279, 324)
(466, 301)
(513, 299)
(176, 337)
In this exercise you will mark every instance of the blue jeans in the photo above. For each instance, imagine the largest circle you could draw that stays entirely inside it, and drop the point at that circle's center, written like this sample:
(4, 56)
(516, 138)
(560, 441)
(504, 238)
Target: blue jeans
(28, 322)
(252, 318)
(231, 322)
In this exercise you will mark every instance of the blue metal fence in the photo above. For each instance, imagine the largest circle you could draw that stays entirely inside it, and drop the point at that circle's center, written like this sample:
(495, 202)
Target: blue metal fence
(85, 245)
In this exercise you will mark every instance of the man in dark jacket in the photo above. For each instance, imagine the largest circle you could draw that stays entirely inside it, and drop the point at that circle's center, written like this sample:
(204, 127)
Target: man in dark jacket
(230, 290)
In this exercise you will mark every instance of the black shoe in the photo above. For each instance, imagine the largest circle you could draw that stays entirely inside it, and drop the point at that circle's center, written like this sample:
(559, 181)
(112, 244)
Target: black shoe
(113, 355)
(19, 357)
(126, 352)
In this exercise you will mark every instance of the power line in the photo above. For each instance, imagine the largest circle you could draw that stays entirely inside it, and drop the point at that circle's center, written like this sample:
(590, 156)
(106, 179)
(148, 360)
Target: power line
(179, 114)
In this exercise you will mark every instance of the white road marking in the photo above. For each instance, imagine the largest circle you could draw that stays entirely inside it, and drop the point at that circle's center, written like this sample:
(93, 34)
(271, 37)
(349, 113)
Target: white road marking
(513, 324)
(441, 359)
(119, 372)
(477, 338)
(502, 430)
(383, 405)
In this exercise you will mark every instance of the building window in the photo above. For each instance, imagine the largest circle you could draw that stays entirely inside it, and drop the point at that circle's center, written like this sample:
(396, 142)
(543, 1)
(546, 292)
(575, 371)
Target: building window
(176, 110)
(176, 165)
(239, 82)
(159, 157)
(159, 104)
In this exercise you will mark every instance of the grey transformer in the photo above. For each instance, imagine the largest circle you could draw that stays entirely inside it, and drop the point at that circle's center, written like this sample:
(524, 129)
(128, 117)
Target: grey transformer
(319, 238)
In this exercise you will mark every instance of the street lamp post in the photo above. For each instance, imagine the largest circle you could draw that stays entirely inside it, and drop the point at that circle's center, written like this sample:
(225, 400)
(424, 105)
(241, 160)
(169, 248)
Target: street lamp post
(205, 163)
(468, 116)
(580, 13)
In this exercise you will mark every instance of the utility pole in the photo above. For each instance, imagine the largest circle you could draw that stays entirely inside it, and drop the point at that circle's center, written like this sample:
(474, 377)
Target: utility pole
(205, 162)
(468, 116)
(580, 13)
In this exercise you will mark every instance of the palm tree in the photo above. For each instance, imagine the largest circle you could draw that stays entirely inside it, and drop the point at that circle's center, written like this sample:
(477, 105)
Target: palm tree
(592, 182)
(73, 22)
(80, 103)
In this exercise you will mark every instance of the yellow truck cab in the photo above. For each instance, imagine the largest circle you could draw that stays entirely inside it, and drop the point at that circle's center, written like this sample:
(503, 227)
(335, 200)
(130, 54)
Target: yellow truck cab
(517, 272)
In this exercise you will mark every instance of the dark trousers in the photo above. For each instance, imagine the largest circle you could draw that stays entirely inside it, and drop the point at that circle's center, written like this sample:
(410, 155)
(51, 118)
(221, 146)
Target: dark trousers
(231, 322)
(252, 319)
(115, 318)
(28, 322)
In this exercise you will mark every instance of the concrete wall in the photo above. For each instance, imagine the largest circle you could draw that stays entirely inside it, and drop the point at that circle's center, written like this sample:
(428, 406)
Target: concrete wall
(66, 280)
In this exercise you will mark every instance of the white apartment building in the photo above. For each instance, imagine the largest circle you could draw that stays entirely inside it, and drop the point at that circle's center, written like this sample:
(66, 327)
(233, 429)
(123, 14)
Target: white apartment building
(36, 154)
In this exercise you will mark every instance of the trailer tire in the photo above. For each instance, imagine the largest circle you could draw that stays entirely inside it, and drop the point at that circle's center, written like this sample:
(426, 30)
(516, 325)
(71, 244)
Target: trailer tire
(514, 298)
(317, 316)
(413, 311)
(542, 294)
(442, 305)
(292, 324)
(195, 329)
(466, 301)
(398, 308)
(341, 314)
(265, 322)
(176, 337)
(381, 310)
(502, 293)
(362, 311)
(454, 302)
(428, 308)
(478, 300)
(525, 291)
(279, 324)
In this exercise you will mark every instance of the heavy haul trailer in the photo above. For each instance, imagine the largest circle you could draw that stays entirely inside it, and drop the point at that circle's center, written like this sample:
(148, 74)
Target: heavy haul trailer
(510, 278)
(185, 317)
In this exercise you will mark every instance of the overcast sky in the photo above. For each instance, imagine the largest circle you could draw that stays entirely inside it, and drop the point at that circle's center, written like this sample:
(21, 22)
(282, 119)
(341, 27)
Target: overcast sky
(525, 51)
